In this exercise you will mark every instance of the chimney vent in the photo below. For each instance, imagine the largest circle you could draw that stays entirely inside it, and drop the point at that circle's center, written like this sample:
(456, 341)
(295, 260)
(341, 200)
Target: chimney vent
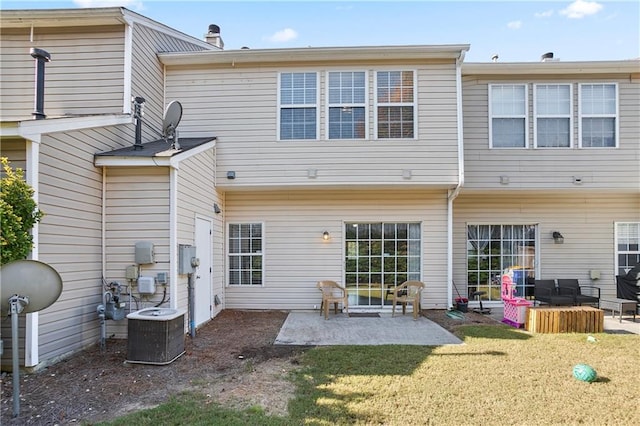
(494, 58)
(213, 36)
(41, 57)
(547, 57)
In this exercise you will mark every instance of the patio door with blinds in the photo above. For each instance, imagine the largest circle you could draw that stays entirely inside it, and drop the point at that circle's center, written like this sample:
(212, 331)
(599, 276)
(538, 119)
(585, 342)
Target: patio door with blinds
(379, 256)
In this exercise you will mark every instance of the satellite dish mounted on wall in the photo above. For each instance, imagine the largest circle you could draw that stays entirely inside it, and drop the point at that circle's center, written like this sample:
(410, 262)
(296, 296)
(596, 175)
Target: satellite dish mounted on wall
(172, 116)
(27, 286)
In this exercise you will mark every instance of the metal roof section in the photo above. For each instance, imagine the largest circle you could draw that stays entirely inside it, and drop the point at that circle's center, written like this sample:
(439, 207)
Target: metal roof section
(631, 66)
(315, 54)
(155, 153)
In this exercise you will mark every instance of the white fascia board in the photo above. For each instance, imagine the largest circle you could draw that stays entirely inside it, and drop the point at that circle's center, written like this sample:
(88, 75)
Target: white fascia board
(132, 161)
(175, 161)
(34, 129)
(313, 54)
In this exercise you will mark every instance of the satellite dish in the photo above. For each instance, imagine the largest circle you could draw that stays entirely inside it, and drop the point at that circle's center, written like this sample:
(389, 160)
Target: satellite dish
(27, 286)
(37, 281)
(172, 116)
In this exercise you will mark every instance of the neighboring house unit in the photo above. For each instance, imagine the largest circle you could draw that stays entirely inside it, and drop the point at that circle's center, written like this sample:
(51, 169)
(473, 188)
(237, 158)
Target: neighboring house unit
(364, 165)
(549, 147)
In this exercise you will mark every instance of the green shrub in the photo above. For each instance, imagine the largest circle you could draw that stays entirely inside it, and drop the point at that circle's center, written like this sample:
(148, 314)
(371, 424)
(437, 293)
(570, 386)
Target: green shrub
(18, 214)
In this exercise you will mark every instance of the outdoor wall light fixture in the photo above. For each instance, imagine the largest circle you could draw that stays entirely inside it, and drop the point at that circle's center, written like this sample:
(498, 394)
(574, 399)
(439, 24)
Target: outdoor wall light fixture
(557, 237)
(216, 208)
(325, 235)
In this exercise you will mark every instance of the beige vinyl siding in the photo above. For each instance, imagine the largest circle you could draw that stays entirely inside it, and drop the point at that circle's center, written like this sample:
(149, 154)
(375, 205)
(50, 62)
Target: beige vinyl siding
(85, 75)
(296, 256)
(240, 107)
(70, 195)
(585, 221)
(137, 209)
(147, 73)
(15, 151)
(196, 196)
(550, 168)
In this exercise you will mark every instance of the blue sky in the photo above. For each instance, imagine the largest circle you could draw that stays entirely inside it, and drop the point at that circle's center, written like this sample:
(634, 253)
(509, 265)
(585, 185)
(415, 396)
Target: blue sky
(515, 30)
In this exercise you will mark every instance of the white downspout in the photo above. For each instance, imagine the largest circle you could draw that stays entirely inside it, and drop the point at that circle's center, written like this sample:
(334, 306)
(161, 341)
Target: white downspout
(173, 235)
(31, 341)
(104, 226)
(453, 194)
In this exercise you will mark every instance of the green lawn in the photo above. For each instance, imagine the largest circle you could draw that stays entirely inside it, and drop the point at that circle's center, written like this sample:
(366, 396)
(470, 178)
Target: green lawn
(500, 375)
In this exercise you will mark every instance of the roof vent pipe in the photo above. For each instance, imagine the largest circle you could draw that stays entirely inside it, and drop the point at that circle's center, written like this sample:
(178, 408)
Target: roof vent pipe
(138, 103)
(547, 57)
(213, 36)
(494, 58)
(41, 57)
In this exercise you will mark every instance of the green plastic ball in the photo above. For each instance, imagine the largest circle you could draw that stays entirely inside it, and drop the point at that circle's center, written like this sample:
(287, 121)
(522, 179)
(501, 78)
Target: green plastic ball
(584, 373)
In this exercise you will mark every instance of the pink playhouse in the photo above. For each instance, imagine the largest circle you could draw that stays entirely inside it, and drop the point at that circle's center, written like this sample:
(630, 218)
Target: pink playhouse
(515, 308)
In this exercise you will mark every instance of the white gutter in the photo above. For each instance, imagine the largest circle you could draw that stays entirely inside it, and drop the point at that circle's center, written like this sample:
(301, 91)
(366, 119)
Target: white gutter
(453, 194)
(34, 129)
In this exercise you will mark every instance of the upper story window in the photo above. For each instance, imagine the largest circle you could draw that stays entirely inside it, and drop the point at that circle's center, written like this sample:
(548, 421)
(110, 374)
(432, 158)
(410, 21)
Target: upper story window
(347, 105)
(508, 115)
(552, 110)
(395, 104)
(298, 105)
(598, 115)
(245, 254)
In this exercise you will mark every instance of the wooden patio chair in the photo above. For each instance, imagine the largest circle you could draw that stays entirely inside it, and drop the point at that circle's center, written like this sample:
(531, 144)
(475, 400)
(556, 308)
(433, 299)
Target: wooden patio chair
(332, 292)
(571, 286)
(408, 292)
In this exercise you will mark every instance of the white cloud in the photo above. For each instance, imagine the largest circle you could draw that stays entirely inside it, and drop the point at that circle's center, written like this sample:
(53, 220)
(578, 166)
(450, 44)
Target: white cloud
(514, 25)
(129, 4)
(545, 14)
(283, 36)
(581, 8)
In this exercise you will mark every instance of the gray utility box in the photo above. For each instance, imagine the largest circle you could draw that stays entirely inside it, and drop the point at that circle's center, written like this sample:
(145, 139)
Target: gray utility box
(155, 336)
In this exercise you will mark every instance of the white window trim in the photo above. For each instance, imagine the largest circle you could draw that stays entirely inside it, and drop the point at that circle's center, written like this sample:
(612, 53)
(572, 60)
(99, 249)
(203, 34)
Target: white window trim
(616, 115)
(279, 106)
(536, 116)
(616, 242)
(525, 116)
(330, 105)
(228, 254)
(376, 104)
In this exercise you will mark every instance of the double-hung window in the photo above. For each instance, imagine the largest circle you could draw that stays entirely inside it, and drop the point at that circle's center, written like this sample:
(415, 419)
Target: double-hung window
(508, 115)
(298, 105)
(245, 254)
(395, 105)
(552, 110)
(347, 105)
(598, 115)
(627, 246)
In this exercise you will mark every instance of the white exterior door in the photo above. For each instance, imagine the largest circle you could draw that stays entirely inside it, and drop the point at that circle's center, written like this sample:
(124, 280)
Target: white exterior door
(203, 293)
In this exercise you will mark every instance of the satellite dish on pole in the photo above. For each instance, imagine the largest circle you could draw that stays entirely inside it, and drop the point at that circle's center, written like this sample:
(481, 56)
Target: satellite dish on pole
(172, 116)
(27, 286)
(37, 281)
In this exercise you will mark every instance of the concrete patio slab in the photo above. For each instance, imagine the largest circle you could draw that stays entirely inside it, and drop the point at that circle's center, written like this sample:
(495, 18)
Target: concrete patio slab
(310, 328)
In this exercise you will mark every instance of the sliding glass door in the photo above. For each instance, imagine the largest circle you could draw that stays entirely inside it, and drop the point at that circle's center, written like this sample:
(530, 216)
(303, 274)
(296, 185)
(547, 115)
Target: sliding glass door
(378, 257)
